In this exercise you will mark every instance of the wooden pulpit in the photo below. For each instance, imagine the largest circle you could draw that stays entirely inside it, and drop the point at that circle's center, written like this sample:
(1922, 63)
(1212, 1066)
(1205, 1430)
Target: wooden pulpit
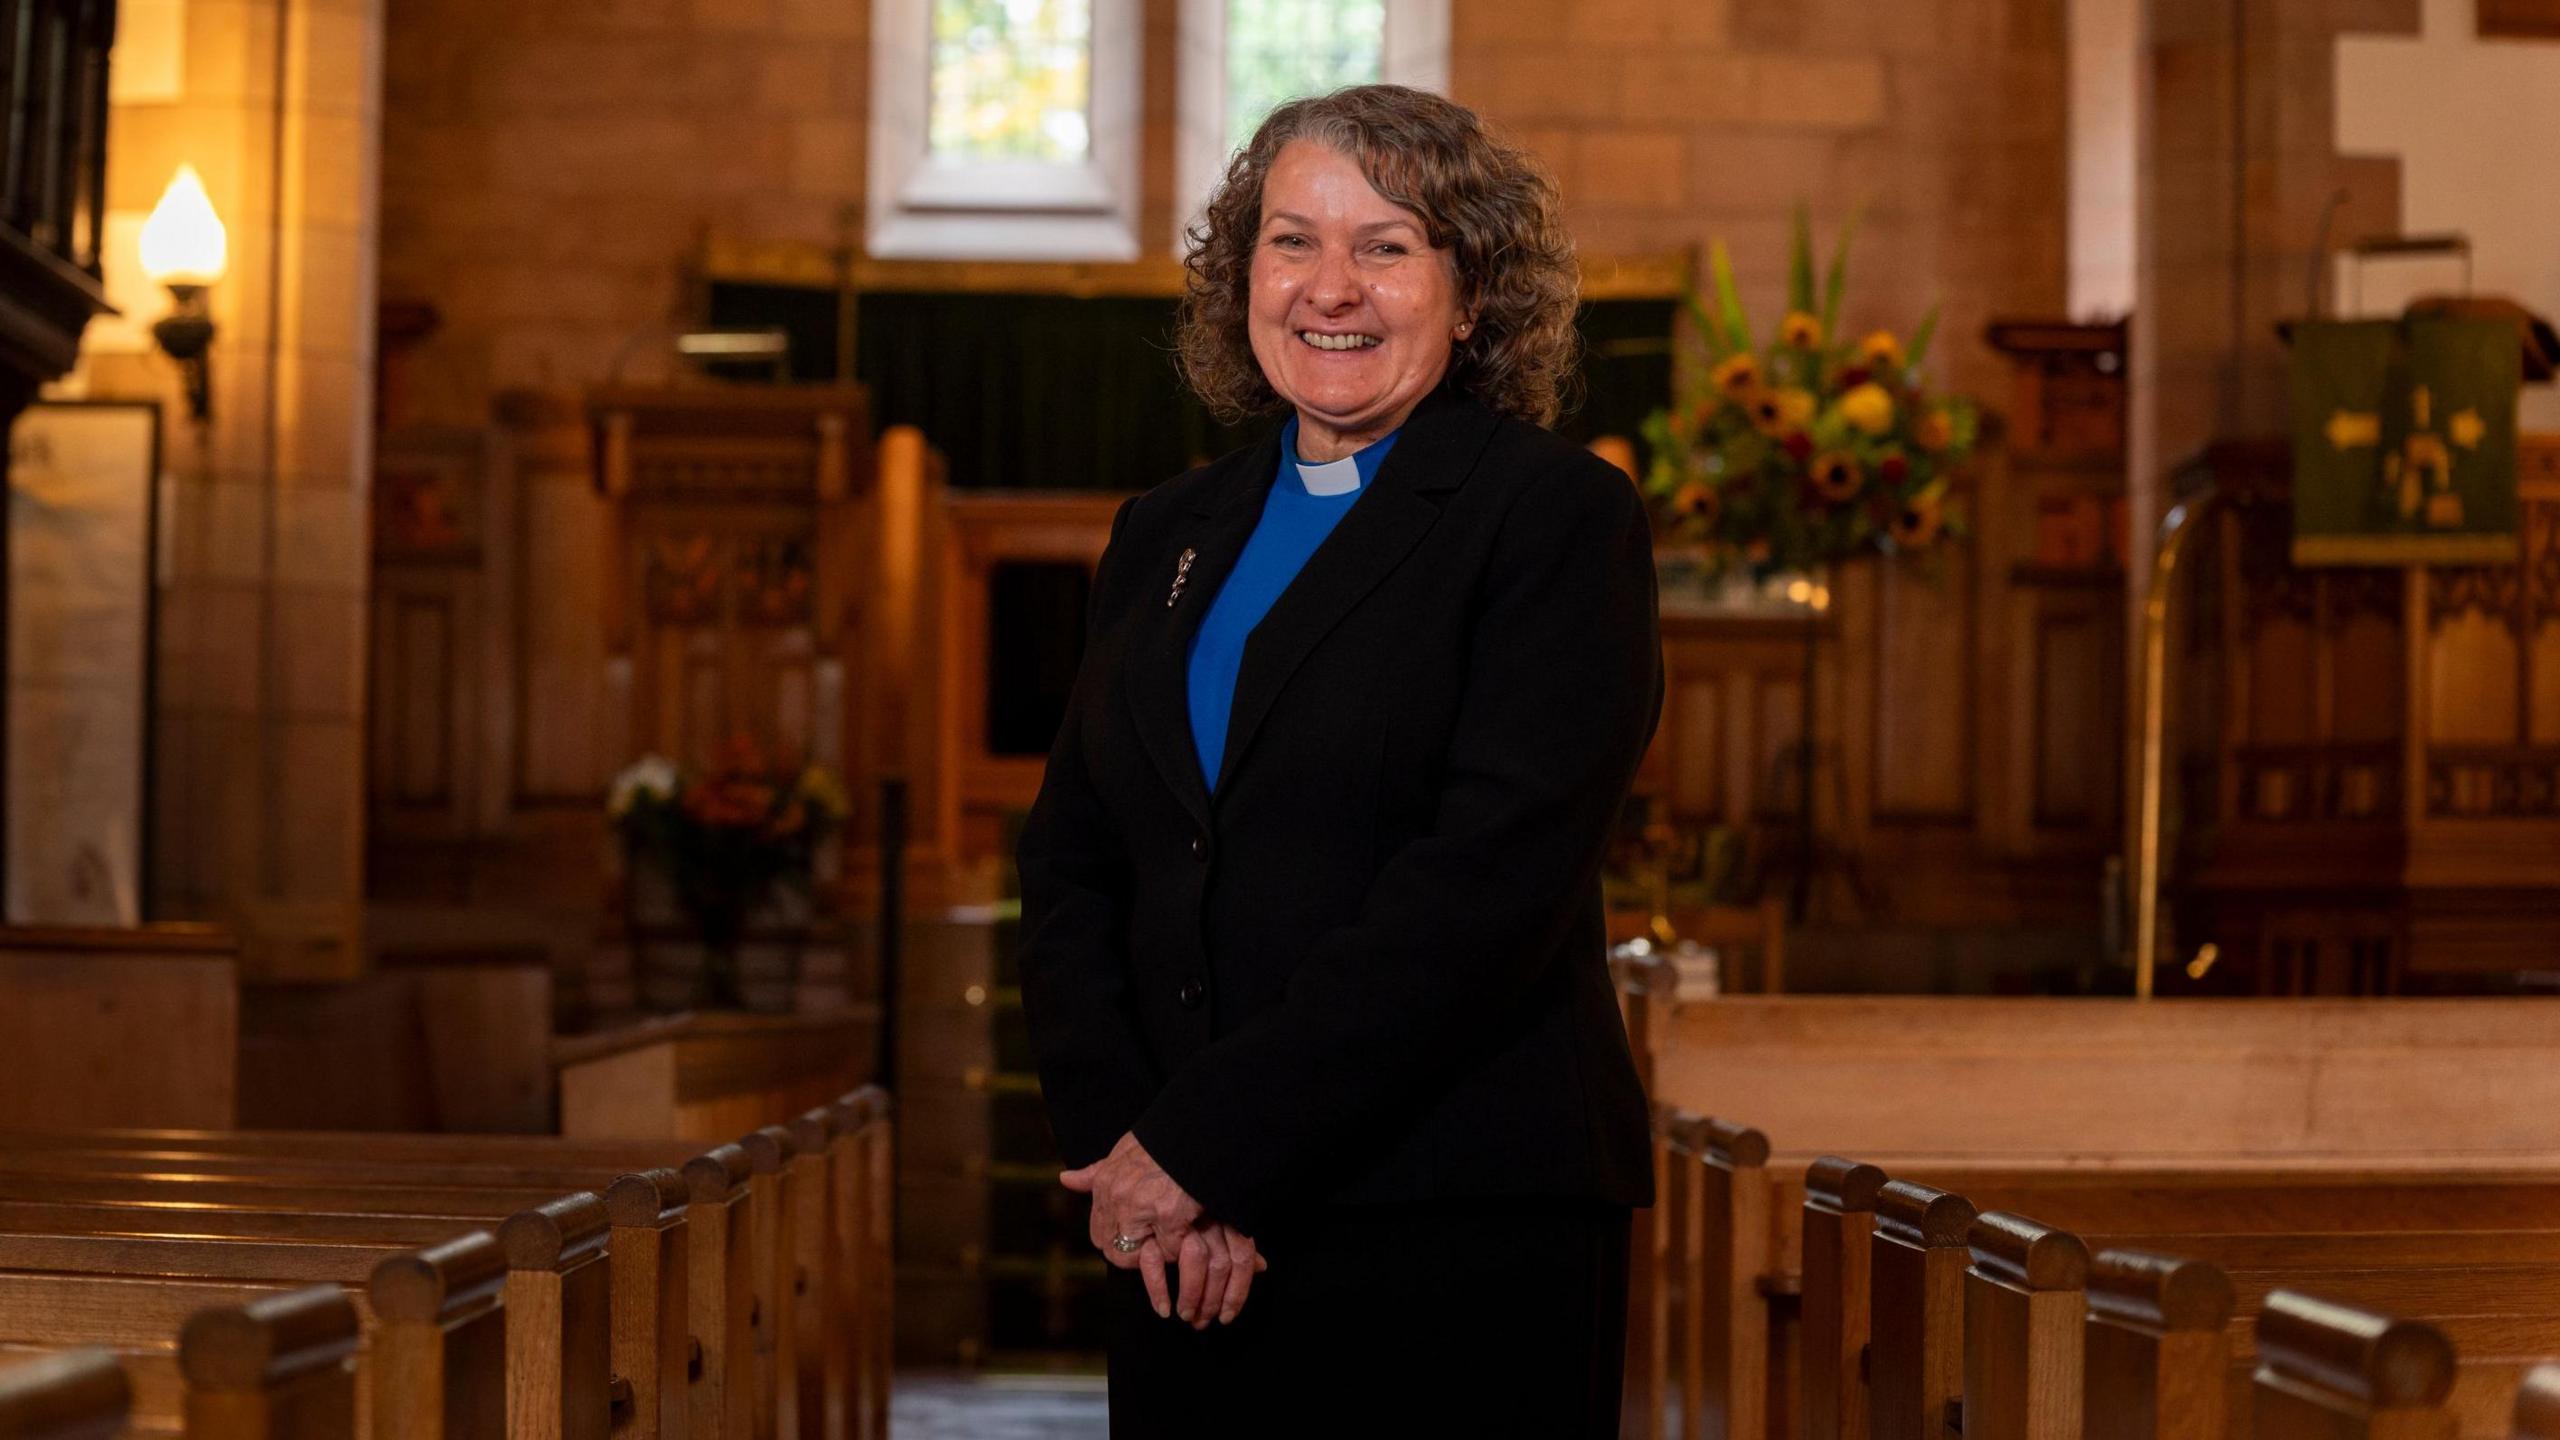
(2373, 770)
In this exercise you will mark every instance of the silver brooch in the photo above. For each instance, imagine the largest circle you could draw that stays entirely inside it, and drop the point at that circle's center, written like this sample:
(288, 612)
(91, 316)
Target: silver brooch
(1181, 575)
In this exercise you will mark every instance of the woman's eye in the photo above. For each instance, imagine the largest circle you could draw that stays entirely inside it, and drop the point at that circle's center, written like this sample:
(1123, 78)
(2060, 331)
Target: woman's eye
(1389, 247)
(1290, 242)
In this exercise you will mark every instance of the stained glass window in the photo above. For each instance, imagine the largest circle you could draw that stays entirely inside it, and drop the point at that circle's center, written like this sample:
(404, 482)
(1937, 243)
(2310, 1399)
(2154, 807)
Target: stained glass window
(1012, 79)
(1278, 50)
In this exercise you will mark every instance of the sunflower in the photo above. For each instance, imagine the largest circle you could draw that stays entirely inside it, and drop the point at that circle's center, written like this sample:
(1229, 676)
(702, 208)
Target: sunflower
(1933, 431)
(1834, 476)
(1778, 411)
(1869, 408)
(1880, 351)
(1697, 501)
(1738, 375)
(1800, 331)
(1918, 523)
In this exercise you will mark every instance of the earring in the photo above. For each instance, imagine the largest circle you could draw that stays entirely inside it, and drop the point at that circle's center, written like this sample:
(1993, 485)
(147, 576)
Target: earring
(1463, 329)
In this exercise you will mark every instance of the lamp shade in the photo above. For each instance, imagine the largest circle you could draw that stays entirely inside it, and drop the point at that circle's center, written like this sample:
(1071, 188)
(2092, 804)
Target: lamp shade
(183, 241)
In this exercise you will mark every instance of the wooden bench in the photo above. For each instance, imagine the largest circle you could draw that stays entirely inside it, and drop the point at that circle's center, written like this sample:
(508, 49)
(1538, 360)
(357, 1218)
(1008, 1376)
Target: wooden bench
(2051, 1084)
(2394, 1217)
(1989, 1310)
(1743, 1237)
(211, 1362)
(774, 1253)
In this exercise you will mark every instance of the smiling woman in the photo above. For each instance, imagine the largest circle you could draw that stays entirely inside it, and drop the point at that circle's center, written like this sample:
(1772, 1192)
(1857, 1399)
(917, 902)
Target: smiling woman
(1313, 952)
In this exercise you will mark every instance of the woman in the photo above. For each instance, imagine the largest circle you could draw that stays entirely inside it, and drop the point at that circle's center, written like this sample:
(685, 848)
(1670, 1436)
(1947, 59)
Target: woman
(1313, 954)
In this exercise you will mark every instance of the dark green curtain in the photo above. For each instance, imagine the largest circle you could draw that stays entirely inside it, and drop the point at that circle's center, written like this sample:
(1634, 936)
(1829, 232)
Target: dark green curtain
(1054, 393)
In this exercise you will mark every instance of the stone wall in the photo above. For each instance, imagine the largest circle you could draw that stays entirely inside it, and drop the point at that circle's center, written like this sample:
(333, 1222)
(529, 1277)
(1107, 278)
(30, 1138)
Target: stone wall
(1671, 121)
(549, 164)
(257, 787)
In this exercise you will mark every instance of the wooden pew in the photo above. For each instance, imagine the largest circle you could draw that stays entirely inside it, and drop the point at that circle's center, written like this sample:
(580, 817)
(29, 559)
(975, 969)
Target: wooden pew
(1782, 1220)
(357, 1179)
(551, 1257)
(2162, 1332)
(119, 1186)
(2048, 1082)
(2048, 1078)
(2015, 1326)
(246, 1366)
(245, 1169)
(75, 1395)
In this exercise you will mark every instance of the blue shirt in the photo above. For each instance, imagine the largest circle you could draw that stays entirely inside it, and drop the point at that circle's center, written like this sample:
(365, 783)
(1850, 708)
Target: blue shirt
(1294, 522)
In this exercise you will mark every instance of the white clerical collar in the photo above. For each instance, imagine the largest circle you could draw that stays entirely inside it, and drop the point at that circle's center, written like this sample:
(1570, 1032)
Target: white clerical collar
(1337, 477)
(1333, 477)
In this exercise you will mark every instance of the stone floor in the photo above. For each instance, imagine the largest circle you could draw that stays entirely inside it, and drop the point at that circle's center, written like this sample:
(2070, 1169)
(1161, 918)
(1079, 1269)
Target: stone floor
(929, 1406)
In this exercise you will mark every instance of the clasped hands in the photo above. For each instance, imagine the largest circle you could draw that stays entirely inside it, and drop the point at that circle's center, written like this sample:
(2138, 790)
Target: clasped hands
(1133, 1196)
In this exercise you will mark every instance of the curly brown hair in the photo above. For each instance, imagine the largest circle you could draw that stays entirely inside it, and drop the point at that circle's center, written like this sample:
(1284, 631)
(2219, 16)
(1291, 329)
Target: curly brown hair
(1493, 207)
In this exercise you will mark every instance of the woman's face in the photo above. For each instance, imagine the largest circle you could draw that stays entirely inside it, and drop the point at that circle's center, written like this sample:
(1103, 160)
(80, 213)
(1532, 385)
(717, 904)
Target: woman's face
(1352, 310)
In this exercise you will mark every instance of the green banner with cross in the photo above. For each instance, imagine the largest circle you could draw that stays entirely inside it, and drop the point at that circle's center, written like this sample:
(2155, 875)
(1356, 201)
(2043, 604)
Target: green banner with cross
(2404, 442)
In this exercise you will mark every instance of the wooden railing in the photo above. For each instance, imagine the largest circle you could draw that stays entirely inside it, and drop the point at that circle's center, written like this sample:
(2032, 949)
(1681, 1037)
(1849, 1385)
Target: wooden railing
(53, 156)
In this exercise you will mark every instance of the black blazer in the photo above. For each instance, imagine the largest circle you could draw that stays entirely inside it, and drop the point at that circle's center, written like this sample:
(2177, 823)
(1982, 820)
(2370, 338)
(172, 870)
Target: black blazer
(1374, 966)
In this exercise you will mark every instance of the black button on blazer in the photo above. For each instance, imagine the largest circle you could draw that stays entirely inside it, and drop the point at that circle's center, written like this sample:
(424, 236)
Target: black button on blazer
(1372, 965)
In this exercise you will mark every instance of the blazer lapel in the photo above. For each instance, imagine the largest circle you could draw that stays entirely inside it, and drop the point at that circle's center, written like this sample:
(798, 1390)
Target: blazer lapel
(1221, 520)
(1436, 452)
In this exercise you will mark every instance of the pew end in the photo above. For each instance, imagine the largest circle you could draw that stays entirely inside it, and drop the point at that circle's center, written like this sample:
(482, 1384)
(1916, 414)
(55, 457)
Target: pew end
(1921, 1248)
(721, 1255)
(2025, 1300)
(439, 1353)
(559, 1320)
(2343, 1373)
(774, 1200)
(281, 1367)
(2158, 1348)
(651, 1296)
(1838, 1228)
(75, 1395)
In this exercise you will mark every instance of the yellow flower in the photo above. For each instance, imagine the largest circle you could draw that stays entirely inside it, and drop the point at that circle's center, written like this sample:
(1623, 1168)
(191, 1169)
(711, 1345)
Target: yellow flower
(1834, 476)
(1880, 351)
(1919, 521)
(1738, 375)
(1800, 331)
(1775, 412)
(1869, 407)
(1933, 431)
(1698, 502)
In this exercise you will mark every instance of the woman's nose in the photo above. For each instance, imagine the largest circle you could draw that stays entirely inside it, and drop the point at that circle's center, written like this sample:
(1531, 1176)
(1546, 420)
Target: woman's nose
(1335, 282)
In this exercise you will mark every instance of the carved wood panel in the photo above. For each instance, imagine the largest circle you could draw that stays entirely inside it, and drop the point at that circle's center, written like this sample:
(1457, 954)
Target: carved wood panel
(426, 655)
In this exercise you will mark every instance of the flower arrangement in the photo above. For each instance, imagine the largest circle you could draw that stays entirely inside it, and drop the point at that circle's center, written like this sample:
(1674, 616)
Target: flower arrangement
(1808, 449)
(725, 837)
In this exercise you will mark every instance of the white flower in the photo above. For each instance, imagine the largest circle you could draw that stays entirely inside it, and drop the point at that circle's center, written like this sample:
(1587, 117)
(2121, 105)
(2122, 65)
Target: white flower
(651, 777)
